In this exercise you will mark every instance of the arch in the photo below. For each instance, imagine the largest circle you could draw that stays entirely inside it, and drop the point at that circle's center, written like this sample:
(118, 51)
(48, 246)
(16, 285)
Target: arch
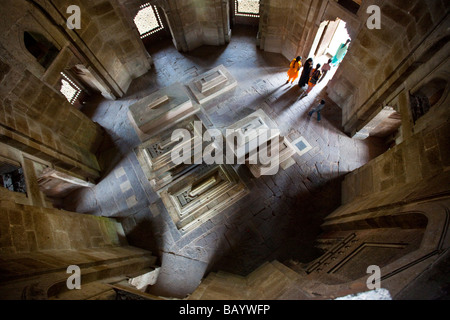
(40, 48)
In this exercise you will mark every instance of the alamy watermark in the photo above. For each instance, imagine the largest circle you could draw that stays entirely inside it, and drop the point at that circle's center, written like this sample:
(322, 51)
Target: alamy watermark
(74, 20)
(74, 281)
(374, 280)
(374, 21)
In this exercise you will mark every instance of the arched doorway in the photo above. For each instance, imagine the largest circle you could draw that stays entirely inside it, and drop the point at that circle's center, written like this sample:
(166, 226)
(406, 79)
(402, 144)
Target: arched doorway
(43, 50)
(330, 36)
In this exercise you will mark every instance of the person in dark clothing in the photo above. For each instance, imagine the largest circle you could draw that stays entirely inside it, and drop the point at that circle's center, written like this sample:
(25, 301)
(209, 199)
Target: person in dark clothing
(306, 73)
(317, 109)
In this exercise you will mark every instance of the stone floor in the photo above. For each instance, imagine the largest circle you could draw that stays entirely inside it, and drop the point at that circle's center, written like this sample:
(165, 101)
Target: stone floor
(279, 219)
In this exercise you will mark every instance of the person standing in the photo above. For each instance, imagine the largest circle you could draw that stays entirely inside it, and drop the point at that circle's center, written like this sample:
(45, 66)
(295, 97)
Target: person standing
(317, 109)
(294, 69)
(306, 73)
(315, 76)
(340, 53)
(325, 68)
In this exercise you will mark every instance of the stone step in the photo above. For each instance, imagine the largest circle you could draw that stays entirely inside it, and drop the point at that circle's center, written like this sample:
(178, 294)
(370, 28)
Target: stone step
(198, 293)
(139, 273)
(271, 283)
(204, 285)
(125, 289)
(291, 274)
(90, 291)
(230, 277)
(294, 292)
(219, 292)
(224, 285)
(218, 287)
(272, 280)
(269, 288)
(107, 295)
(263, 271)
(298, 267)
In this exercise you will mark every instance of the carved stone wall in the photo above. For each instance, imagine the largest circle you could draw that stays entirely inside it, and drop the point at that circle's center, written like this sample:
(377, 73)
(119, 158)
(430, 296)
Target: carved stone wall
(412, 34)
(196, 23)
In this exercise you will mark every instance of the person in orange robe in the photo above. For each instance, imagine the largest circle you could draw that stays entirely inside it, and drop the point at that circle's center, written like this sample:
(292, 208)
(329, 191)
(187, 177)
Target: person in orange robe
(294, 69)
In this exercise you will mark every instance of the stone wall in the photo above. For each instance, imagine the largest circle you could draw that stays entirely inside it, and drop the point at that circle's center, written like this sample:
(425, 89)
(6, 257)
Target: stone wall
(407, 242)
(37, 245)
(379, 63)
(33, 194)
(196, 23)
(36, 119)
(411, 33)
(402, 169)
(34, 116)
(108, 41)
(403, 191)
(27, 229)
(286, 26)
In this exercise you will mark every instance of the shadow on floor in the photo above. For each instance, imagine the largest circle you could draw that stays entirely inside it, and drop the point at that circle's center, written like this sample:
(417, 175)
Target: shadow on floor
(281, 216)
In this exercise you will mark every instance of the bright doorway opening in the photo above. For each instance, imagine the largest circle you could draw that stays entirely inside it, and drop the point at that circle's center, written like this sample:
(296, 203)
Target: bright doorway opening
(330, 43)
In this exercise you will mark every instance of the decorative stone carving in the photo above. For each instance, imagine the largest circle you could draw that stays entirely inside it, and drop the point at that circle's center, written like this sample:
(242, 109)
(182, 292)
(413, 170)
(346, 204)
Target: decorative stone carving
(203, 192)
(154, 155)
(255, 134)
(212, 84)
(161, 110)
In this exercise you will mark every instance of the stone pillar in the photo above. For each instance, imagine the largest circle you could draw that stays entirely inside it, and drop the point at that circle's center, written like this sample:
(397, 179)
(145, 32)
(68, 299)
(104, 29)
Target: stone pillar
(196, 23)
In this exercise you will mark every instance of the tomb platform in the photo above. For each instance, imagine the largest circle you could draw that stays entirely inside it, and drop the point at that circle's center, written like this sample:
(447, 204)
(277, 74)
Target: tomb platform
(285, 159)
(155, 154)
(212, 84)
(161, 110)
(250, 133)
(201, 194)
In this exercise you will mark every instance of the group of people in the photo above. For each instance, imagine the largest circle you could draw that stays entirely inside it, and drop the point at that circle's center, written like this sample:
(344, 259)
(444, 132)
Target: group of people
(309, 75)
(312, 76)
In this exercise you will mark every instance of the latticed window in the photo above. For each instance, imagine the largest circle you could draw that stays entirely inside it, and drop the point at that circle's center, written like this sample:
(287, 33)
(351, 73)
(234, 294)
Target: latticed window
(247, 8)
(147, 20)
(69, 89)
